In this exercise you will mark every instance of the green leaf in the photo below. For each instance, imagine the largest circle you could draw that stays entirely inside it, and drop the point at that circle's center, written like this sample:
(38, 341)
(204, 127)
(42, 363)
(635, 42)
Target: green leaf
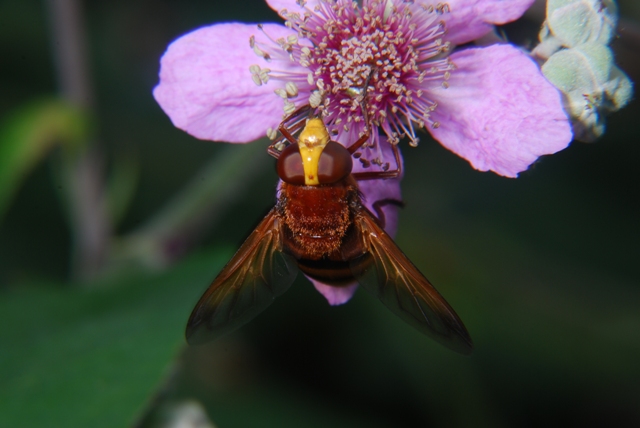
(27, 135)
(77, 358)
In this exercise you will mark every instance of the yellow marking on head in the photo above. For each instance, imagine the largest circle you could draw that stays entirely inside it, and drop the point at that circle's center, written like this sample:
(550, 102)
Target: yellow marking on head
(313, 139)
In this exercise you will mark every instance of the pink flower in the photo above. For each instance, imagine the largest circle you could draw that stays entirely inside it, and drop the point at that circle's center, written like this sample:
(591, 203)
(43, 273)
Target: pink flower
(490, 105)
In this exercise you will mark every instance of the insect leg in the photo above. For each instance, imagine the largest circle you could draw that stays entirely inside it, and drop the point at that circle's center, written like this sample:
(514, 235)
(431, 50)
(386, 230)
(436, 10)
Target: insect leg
(355, 146)
(377, 207)
(294, 122)
(287, 128)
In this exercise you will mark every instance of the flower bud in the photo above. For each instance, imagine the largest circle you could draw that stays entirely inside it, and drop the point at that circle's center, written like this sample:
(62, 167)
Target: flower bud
(574, 43)
(575, 22)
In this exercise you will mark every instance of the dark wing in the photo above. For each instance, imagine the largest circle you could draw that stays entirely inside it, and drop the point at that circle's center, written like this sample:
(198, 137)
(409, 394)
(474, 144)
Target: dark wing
(253, 278)
(387, 273)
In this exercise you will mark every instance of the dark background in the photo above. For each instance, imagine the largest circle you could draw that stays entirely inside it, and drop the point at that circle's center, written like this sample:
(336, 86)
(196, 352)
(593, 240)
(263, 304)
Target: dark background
(543, 269)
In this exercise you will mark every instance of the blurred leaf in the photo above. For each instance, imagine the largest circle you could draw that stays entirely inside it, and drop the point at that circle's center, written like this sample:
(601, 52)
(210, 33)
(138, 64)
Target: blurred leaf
(83, 358)
(121, 186)
(27, 135)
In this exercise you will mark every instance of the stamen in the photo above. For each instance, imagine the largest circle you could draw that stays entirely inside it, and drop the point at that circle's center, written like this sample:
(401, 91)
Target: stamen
(315, 99)
(264, 75)
(272, 134)
(383, 54)
(289, 107)
(291, 89)
(261, 53)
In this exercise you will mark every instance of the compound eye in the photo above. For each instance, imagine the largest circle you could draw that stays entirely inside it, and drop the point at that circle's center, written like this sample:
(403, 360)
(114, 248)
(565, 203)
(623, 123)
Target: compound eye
(335, 163)
(289, 165)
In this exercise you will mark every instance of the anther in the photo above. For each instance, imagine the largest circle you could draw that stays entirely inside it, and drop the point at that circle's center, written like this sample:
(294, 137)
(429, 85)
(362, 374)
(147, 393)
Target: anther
(289, 107)
(272, 133)
(291, 89)
(264, 75)
(315, 99)
(261, 53)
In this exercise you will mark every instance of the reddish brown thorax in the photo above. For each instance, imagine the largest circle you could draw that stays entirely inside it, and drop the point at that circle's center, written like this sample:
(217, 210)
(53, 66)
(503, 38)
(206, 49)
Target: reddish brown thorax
(317, 217)
(318, 229)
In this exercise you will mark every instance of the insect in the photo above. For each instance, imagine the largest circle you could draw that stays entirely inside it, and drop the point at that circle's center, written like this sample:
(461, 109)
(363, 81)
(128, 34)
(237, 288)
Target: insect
(320, 226)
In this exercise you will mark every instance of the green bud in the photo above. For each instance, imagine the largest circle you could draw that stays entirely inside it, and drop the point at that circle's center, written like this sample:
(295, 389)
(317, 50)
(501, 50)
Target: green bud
(591, 86)
(548, 44)
(574, 22)
(618, 89)
(585, 68)
(577, 60)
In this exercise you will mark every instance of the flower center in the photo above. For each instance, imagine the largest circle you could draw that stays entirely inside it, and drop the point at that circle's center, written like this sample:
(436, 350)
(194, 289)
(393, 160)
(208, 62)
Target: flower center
(383, 55)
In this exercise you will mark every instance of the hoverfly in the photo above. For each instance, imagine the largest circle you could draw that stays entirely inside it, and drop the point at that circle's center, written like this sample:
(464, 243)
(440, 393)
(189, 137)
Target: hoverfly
(320, 226)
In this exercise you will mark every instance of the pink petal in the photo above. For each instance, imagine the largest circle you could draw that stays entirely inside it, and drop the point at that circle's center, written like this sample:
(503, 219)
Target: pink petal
(471, 19)
(382, 193)
(499, 112)
(376, 193)
(335, 295)
(206, 87)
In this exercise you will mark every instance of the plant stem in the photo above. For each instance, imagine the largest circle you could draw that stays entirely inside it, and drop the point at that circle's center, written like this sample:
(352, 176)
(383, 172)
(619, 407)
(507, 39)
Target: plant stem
(85, 195)
(167, 235)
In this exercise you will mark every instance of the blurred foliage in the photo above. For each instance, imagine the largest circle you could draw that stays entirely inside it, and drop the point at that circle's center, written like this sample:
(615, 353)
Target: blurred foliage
(93, 358)
(29, 134)
(542, 269)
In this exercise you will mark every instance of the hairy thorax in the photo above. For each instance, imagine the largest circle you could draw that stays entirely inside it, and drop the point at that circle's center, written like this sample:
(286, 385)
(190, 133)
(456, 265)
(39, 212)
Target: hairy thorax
(316, 218)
